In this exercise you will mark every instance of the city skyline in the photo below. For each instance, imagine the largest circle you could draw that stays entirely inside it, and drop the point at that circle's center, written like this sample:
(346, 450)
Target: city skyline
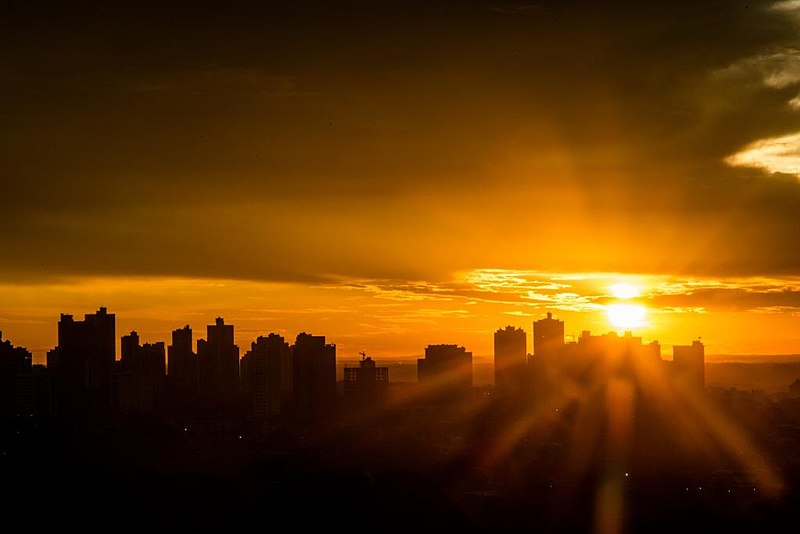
(243, 339)
(401, 172)
(86, 379)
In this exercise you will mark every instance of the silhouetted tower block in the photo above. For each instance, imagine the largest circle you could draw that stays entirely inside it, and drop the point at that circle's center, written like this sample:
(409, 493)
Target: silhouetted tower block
(510, 353)
(445, 368)
(591, 362)
(688, 362)
(140, 374)
(365, 386)
(267, 375)
(548, 336)
(148, 359)
(129, 348)
(313, 376)
(182, 363)
(17, 396)
(154, 359)
(218, 363)
(82, 364)
(606, 355)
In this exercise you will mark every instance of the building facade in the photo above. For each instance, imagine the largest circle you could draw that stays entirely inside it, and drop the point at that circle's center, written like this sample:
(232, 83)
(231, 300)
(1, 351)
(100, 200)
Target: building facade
(510, 353)
(218, 363)
(313, 376)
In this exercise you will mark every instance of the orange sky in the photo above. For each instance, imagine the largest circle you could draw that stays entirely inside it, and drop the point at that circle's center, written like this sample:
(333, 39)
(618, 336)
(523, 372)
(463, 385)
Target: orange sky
(394, 320)
(394, 174)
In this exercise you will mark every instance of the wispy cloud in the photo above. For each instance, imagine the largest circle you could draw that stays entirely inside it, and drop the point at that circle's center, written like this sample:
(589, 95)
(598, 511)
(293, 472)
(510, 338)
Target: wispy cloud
(792, 6)
(782, 310)
(776, 69)
(519, 313)
(526, 292)
(776, 154)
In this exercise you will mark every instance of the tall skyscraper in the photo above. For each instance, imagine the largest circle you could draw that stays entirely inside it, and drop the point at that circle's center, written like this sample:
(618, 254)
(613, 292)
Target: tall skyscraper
(146, 359)
(218, 363)
(314, 376)
(182, 361)
(510, 353)
(445, 367)
(83, 362)
(267, 374)
(16, 380)
(688, 362)
(548, 336)
(129, 349)
(365, 386)
(140, 374)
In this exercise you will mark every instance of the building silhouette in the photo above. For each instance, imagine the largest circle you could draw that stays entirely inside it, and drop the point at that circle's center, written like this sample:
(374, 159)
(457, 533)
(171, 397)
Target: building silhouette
(548, 336)
(140, 376)
(445, 368)
(510, 354)
(218, 363)
(588, 362)
(688, 363)
(365, 386)
(182, 361)
(607, 355)
(313, 376)
(266, 371)
(17, 394)
(614, 343)
(82, 364)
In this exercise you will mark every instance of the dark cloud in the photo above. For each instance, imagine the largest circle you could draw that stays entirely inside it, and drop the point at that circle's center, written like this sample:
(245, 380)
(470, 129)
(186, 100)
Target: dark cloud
(303, 140)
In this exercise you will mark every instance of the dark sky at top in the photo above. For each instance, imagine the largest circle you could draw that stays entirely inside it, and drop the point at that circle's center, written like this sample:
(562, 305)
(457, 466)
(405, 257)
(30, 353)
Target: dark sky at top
(306, 140)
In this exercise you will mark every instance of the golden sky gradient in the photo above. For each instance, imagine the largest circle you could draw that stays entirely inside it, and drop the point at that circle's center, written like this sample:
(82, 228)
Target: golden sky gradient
(395, 320)
(394, 174)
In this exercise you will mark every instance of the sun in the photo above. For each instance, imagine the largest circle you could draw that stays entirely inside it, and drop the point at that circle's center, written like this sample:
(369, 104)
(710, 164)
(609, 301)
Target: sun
(626, 315)
(624, 290)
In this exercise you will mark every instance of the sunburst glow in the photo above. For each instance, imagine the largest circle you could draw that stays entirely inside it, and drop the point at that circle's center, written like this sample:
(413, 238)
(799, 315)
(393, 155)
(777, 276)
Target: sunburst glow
(626, 315)
(624, 290)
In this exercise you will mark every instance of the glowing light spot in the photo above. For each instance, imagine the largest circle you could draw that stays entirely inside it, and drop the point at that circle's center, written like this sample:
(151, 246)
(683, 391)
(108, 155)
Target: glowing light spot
(624, 291)
(626, 315)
